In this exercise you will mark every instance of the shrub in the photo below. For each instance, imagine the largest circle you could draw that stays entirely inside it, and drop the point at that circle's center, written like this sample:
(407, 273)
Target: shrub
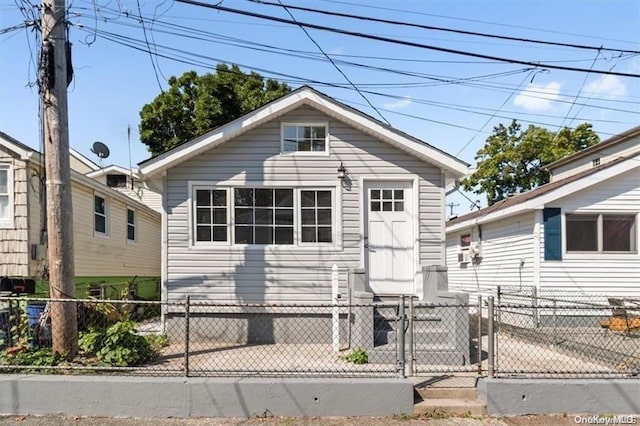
(356, 356)
(118, 346)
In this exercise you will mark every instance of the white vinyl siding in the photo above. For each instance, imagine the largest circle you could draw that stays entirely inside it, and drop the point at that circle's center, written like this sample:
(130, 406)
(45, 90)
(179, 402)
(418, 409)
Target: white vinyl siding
(615, 273)
(507, 255)
(290, 273)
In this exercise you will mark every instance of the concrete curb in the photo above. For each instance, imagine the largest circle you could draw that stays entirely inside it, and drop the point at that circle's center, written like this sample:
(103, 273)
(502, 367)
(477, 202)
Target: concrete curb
(203, 397)
(513, 397)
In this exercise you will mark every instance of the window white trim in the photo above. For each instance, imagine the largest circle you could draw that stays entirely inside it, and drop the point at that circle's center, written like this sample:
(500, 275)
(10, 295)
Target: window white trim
(134, 225)
(305, 124)
(8, 221)
(336, 216)
(104, 234)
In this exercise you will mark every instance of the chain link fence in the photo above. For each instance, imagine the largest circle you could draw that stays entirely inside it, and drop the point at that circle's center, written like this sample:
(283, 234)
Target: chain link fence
(405, 337)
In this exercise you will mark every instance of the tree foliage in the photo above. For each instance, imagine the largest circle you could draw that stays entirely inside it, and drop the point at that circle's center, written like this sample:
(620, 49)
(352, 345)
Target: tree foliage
(195, 104)
(513, 160)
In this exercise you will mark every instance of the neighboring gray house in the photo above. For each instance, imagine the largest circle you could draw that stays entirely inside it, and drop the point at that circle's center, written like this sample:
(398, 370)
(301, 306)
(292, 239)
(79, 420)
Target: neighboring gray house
(260, 209)
(576, 235)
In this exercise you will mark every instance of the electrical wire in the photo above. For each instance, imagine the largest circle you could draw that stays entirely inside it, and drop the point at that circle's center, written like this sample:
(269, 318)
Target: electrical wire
(429, 27)
(399, 42)
(338, 68)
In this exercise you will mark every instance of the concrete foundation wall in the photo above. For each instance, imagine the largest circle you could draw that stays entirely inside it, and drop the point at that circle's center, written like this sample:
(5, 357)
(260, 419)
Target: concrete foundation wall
(514, 397)
(203, 397)
(277, 327)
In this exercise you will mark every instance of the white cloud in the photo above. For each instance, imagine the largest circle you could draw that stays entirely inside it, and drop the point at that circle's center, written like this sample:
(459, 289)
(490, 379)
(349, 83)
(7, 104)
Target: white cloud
(607, 85)
(399, 104)
(537, 97)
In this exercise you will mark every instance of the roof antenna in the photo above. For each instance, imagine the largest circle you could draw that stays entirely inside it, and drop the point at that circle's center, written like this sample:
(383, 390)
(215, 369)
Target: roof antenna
(129, 144)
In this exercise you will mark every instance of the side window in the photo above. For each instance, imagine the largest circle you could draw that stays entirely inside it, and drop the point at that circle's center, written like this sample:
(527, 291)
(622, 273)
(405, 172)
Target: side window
(100, 225)
(6, 197)
(131, 225)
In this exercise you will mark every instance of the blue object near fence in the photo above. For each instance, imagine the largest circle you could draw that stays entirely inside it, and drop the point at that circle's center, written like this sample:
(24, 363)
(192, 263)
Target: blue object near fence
(34, 311)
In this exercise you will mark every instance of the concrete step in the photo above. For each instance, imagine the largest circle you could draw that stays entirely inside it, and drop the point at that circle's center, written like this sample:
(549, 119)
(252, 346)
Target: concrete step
(460, 407)
(469, 394)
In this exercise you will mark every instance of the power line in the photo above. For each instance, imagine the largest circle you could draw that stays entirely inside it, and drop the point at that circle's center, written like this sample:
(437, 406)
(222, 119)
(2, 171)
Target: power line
(501, 24)
(338, 68)
(301, 80)
(400, 42)
(430, 27)
(144, 30)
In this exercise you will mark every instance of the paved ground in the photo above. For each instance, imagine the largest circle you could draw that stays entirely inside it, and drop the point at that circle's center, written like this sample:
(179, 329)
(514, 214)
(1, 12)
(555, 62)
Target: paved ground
(289, 421)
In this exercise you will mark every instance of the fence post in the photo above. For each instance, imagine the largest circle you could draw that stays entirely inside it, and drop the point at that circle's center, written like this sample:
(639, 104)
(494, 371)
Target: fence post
(536, 314)
(335, 312)
(186, 335)
(400, 338)
(490, 329)
(479, 334)
(410, 337)
(554, 322)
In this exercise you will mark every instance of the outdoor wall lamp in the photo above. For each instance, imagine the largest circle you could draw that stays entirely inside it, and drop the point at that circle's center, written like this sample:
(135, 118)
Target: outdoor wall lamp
(342, 172)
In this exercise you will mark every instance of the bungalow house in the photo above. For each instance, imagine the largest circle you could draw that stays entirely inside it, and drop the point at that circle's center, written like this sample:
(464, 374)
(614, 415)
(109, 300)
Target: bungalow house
(114, 236)
(576, 235)
(260, 209)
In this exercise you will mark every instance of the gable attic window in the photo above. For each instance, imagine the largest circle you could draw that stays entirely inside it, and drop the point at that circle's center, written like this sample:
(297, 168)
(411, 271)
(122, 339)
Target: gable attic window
(6, 196)
(608, 233)
(311, 138)
(117, 180)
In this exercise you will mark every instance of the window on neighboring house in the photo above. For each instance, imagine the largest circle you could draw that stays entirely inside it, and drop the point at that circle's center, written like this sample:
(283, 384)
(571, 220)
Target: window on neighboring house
(117, 180)
(100, 215)
(601, 233)
(304, 138)
(315, 216)
(131, 225)
(263, 216)
(6, 197)
(465, 241)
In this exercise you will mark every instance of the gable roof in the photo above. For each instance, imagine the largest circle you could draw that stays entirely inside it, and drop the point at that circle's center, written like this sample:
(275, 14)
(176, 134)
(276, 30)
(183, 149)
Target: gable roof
(536, 198)
(612, 141)
(22, 150)
(84, 160)
(305, 95)
(30, 154)
(112, 169)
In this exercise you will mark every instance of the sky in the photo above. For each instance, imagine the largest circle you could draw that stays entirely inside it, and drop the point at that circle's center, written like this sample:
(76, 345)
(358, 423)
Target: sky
(125, 50)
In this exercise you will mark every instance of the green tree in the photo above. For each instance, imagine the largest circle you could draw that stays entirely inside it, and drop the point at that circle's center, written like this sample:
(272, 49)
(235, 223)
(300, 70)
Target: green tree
(513, 160)
(195, 104)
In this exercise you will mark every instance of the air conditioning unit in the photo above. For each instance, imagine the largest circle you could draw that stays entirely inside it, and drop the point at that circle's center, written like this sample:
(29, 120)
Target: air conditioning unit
(464, 256)
(475, 250)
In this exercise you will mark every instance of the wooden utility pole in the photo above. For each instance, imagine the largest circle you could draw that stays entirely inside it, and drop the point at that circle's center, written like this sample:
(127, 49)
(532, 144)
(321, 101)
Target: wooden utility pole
(53, 89)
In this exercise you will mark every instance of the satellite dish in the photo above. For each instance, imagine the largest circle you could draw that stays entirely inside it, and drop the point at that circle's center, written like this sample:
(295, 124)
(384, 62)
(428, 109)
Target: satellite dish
(100, 149)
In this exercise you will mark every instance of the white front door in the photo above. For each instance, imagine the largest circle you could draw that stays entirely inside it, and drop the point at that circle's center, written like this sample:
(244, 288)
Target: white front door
(389, 237)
